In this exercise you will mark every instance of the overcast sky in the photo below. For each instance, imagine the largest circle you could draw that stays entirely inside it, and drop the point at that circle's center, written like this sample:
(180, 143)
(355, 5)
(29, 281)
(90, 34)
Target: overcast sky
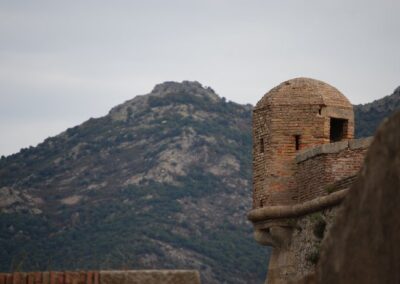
(62, 62)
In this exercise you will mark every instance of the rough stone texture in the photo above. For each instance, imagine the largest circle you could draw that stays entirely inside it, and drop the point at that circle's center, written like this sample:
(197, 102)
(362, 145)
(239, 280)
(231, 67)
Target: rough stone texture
(299, 257)
(298, 107)
(296, 242)
(364, 244)
(103, 277)
(296, 236)
(306, 242)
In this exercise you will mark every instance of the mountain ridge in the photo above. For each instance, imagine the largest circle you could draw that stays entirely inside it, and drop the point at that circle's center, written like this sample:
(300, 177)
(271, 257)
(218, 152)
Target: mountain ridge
(369, 116)
(162, 181)
(159, 182)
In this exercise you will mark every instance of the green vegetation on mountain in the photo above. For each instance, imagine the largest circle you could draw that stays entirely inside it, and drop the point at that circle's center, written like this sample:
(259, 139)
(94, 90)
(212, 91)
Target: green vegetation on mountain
(369, 116)
(162, 181)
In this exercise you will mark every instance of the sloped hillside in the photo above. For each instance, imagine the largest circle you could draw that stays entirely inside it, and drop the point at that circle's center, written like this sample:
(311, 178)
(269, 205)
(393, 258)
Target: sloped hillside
(369, 116)
(162, 181)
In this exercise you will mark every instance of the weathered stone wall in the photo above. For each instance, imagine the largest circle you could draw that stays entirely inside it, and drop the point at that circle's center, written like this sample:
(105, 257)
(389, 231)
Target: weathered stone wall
(300, 254)
(309, 232)
(295, 233)
(103, 277)
(320, 167)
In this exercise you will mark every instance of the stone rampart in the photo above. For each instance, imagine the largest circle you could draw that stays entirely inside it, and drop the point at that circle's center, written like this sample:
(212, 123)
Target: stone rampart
(291, 211)
(319, 168)
(103, 277)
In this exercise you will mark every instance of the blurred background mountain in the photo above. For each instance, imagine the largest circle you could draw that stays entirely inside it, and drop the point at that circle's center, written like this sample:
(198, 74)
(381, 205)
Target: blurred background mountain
(162, 181)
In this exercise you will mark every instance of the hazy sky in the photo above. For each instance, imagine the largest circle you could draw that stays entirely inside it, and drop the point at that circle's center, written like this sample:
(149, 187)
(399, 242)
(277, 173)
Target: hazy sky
(62, 62)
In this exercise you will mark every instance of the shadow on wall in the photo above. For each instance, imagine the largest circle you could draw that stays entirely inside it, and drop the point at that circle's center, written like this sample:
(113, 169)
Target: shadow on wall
(363, 246)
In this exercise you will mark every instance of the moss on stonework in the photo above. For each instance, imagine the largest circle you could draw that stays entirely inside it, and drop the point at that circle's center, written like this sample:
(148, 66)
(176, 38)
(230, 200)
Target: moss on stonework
(315, 217)
(330, 188)
(319, 224)
(292, 223)
(313, 255)
(319, 229)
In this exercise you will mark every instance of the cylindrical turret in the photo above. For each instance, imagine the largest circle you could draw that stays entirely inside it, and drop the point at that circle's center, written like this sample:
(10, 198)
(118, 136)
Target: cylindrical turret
(296, 115)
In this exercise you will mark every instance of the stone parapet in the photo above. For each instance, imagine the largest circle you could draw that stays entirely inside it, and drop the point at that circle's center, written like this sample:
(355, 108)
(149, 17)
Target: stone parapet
(290, 211)
(318, 169)
(362, 143)
(332, 148)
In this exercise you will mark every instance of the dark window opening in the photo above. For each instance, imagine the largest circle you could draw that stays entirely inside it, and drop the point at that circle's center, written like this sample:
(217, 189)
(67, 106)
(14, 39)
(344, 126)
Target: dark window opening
(262, 145)
(321, 108)
(297, 142)
(338, 129)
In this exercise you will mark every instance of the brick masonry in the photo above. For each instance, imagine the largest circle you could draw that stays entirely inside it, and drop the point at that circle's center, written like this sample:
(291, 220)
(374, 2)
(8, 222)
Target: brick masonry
(294, 116)
(319, 174)
(103, 277)
(304, 161)
(52, 277)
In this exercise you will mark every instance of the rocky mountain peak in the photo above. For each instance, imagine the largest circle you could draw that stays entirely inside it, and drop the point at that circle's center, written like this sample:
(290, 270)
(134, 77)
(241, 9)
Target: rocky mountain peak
(148, 185)
(162, 181)
(189, 88)
(166, 95)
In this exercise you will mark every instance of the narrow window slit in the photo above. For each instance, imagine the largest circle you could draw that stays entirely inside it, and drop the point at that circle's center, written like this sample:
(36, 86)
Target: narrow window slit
(262, 145)
(297, 142)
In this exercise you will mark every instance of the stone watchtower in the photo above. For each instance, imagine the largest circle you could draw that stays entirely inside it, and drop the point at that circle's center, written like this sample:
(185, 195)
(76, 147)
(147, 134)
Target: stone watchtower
(304, 161)
(298, 114)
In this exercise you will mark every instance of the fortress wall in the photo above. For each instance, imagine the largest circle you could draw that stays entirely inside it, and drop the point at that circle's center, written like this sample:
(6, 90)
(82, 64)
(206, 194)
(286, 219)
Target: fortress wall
(320, 167)
(304, 248)
(297, 256)
(103, 277)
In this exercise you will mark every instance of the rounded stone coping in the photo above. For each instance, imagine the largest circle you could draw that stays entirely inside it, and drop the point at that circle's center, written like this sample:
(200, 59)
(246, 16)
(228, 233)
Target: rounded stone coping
(288, 211)
(332, 148)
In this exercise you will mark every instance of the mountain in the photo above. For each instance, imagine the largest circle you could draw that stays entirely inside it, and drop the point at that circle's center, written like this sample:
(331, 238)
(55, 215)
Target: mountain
(369, 116)
(161, 181)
